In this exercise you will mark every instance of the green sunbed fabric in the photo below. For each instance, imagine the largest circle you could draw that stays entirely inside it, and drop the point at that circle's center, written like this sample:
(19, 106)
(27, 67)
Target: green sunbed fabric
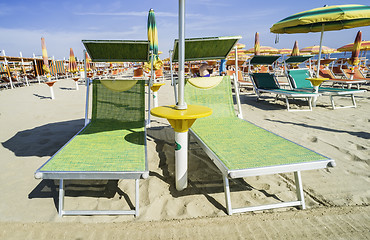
(263, 60)
(114, 141)
(297, 77)
(240, 144)
(264, 81)
(297, 59)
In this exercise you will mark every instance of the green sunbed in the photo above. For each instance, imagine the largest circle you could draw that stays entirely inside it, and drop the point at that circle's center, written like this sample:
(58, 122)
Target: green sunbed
(113, 144)
(298, 82)
(267, 83)
(241, 149)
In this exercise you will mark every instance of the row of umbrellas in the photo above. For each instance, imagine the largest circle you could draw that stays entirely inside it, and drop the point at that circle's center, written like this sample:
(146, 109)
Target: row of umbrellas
(365, 46)
(72, 65)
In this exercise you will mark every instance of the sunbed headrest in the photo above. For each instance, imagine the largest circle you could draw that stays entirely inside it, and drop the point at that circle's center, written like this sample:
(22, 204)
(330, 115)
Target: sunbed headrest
(205, 82)
(118, 85)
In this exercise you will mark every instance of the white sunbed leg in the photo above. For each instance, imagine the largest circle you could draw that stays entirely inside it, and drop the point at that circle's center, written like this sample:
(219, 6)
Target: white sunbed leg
(353, 100)
(332, 101)
(227, 195)
(299, 188)
(309, 103)
(61, 197)
(287, 103)
(137, 199)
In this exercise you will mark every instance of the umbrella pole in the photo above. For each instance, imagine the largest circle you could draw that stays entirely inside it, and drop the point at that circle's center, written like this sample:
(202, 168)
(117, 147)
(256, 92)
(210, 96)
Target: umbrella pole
(236, 84)
(181, 84)
(24, 70)
(8, 71)
(36, 68)
(87, 81)
(149, 88)
(318, 61)
(173, 82)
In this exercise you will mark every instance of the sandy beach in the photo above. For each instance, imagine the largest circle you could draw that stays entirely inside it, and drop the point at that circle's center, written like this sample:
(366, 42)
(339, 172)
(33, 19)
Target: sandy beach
(33, 127)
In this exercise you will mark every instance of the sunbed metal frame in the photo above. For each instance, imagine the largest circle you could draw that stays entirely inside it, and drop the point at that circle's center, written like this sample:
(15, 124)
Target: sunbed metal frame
(331, 92)
(92, 175)
(277, 169)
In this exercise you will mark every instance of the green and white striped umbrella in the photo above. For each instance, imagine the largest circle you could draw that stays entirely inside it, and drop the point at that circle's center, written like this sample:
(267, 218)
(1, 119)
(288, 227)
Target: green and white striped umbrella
(327, 18)
(153, 39)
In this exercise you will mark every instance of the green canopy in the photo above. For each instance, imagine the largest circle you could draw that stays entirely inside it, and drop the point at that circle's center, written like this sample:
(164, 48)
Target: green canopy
(117, 50)
(334, 17)
(263, 60)
(298, 59)
(206, 48)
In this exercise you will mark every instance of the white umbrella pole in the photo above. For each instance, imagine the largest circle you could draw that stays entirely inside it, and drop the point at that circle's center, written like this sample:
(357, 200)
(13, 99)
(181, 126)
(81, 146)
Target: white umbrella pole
(181, 74)
(173, 82)
(149, 90)
(38, 75)
(318, 61)
(25, 73)
(8, 70)
(236, 84)
(87, 81)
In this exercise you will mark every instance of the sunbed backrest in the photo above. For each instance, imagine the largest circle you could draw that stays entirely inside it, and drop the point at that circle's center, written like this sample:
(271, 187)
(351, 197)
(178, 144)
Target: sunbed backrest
(264, 80)
(325, 73)
(126, 106)
(219, 98)
(297, 78)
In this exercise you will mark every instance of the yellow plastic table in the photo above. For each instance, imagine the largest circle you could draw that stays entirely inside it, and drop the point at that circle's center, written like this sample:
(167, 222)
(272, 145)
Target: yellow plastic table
(316, 82)
(155, 87)
(181, 121)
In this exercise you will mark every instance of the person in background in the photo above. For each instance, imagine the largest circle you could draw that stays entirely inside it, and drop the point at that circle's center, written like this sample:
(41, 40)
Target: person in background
(222, 67)
(203, 70)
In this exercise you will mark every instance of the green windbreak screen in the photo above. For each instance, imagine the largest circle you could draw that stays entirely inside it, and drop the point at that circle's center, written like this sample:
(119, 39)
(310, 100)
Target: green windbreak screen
(117, 50)
(263, 60)
(205, 48)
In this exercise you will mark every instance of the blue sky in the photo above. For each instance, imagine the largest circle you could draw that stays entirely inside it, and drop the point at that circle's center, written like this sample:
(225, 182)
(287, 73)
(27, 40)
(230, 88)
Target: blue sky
(65, 23)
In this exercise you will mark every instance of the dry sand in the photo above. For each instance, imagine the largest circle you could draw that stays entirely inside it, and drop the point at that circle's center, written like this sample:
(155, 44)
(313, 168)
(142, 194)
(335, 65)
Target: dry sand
(33, 127)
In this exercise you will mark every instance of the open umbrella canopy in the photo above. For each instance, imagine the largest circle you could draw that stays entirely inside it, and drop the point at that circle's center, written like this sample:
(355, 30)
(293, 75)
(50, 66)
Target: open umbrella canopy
(45, 56)
(264, 49)
(316, 49)
(284, 51)
(335, 17)
(72, 66)
(365, 46)
(354, 60)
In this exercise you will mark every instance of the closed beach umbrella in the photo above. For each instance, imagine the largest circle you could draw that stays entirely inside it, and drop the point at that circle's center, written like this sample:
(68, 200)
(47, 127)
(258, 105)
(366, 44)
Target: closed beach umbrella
(45, 56)
(88, 63)
(295, 51)
(354, 60)
(72, 66)
(257, 44)
(153, 40)
(327, 18)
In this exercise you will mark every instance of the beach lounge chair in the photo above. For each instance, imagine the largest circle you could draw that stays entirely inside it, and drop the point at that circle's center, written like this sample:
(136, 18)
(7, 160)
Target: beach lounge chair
(267, 83)
(241, 149)
(112, 145)
(297, 78)
(327, 73)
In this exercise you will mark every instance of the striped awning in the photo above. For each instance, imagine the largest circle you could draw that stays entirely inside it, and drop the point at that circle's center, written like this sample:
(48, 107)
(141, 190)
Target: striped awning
(333, 17)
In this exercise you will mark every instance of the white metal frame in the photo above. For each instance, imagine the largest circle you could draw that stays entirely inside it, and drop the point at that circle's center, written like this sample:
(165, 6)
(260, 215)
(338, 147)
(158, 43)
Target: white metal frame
(241, 173)
(93, 175)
